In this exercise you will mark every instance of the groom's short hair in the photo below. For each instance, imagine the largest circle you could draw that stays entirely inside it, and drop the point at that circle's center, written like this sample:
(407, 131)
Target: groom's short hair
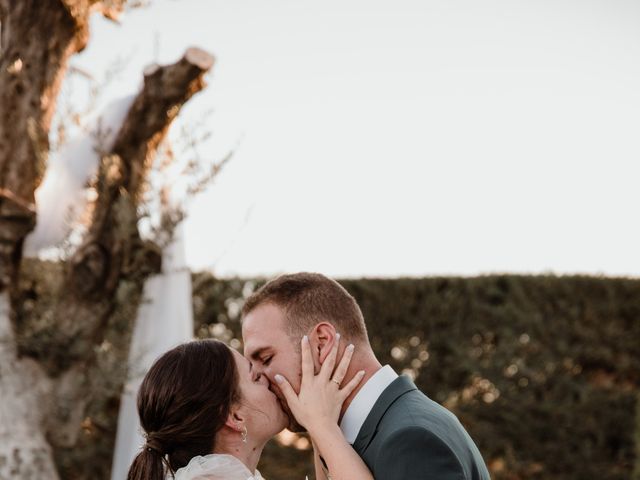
(308, 299)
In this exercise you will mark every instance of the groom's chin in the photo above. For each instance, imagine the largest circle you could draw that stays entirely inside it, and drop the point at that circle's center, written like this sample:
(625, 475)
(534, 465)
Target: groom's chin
(294, 426)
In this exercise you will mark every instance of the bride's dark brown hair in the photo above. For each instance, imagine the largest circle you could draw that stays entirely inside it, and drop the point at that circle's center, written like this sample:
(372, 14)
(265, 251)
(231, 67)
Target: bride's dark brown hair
(184, 400)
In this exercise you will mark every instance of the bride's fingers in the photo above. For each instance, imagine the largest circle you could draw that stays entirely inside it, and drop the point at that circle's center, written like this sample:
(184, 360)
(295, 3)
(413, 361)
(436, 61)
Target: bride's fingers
(307, 360)
(353, 383)
(286, 389)
(330, 362)
(341, 369)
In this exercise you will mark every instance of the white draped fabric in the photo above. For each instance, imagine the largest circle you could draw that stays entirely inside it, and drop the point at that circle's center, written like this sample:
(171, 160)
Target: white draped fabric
(164, 321)
(60, 198)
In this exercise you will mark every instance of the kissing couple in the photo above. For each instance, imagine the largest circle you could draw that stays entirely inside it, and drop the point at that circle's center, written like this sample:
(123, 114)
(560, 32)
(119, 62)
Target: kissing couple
(208, 411)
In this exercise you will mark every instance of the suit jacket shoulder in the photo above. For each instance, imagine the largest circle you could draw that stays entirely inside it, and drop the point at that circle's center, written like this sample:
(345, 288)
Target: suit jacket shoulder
(409, 436)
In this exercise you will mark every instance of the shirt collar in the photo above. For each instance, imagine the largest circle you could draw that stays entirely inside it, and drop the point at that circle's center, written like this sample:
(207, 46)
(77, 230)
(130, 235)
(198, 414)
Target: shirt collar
(363, 402)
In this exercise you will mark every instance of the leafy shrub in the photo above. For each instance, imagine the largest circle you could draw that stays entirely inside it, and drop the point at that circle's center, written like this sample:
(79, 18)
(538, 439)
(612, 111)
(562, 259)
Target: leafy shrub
(543, 371)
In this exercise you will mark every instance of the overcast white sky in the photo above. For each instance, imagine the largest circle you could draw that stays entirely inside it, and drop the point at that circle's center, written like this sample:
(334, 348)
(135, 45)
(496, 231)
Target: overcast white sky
(386, 138)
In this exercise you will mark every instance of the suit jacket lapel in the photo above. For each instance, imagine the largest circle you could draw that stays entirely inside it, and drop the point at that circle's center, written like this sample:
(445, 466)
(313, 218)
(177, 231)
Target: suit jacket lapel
(398, 387)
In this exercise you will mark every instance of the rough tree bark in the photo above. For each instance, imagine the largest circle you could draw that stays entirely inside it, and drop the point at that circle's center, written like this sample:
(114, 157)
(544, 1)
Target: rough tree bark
(52, 393)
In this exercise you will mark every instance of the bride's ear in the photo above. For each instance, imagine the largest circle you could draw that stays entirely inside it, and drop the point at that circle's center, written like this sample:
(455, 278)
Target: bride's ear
(235, 420)
(325, 334)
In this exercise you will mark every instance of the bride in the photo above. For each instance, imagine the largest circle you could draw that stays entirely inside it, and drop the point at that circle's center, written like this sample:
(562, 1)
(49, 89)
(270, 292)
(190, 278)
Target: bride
(206, 416)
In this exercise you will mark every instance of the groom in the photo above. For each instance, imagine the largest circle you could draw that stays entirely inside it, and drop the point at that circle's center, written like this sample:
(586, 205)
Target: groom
(397, 430)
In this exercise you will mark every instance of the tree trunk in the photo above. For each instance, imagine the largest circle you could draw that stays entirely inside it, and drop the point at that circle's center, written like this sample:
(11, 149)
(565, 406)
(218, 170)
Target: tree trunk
(24, 451)
(59, 393)
(38, 37)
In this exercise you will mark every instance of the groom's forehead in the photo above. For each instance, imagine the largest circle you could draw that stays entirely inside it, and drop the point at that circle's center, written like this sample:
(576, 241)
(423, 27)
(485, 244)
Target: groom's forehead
(262, 329)
(262, 321)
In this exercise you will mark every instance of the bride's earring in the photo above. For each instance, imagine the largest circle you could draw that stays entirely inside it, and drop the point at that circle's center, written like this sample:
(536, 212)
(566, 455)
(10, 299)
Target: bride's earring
(244, 434)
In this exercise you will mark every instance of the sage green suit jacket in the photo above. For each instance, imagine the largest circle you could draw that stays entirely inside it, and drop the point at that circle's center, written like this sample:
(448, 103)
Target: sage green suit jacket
(407, 436)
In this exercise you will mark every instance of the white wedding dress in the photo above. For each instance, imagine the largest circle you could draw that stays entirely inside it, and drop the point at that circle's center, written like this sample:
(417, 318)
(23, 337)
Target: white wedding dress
(216, 467)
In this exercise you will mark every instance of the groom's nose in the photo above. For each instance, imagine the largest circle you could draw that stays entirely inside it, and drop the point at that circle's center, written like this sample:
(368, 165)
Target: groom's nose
(263, 380)
(258, 371)
(256, 375)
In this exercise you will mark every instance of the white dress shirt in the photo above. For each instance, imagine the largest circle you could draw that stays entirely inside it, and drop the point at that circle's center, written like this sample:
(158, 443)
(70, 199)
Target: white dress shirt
(363, 402)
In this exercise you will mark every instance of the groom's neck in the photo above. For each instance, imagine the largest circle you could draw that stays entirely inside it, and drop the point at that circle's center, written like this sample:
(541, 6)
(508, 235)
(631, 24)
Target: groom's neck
(362, 360)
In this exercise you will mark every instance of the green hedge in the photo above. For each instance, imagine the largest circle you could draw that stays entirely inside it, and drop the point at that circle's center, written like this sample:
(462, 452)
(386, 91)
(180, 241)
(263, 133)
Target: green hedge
(543, 371)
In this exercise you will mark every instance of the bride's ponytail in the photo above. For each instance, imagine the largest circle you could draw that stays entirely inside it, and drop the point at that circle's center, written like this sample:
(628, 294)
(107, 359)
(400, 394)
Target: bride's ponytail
(184, 400)
(148, 465)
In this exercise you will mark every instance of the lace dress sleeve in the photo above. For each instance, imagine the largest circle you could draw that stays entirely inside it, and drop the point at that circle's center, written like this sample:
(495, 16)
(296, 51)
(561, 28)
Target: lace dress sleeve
(216, 467)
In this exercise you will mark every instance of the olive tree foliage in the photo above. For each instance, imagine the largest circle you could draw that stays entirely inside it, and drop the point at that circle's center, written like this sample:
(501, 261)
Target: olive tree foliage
(65, 325)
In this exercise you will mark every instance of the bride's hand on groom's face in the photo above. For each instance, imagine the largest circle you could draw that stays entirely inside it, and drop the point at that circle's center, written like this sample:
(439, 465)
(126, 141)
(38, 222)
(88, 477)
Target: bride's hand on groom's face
(320, 399)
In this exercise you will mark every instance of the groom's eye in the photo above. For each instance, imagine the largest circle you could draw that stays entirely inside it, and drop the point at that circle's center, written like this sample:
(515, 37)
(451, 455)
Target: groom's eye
(267, 360)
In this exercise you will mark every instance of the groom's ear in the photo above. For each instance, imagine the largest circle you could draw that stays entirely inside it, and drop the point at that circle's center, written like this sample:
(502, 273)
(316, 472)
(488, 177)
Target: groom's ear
(325, 334)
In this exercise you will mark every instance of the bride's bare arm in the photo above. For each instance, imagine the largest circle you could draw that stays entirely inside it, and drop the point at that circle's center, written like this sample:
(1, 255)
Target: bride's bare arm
(317, 408)
(317, 465)
(342, 460)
